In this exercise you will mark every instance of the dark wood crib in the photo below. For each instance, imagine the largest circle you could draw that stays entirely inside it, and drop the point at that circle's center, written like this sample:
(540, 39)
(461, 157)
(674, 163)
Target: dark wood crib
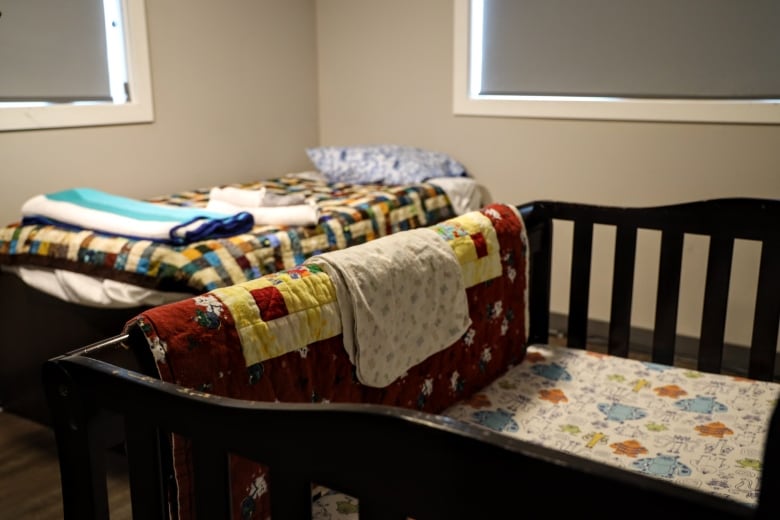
(402, 463)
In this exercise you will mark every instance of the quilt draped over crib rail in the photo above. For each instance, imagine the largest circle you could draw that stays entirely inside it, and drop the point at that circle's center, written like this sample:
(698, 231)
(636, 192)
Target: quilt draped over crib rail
(201, 342)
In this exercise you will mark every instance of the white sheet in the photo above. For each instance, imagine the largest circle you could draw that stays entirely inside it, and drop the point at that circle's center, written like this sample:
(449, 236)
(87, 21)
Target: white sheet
(463, 192)
(91, 291)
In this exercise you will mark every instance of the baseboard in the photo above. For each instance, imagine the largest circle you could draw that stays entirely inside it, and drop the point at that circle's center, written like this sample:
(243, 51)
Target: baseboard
(734, 356)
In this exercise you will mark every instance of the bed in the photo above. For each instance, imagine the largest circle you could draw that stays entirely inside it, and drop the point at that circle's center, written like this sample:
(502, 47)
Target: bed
(87, 285)
(446, 440)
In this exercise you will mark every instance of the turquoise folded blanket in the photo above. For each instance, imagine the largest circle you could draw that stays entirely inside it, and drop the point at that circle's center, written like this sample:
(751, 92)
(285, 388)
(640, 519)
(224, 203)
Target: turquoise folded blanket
(86, 208)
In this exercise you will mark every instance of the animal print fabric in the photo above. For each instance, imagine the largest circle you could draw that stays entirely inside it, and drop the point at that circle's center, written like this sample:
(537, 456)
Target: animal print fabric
(705, 431)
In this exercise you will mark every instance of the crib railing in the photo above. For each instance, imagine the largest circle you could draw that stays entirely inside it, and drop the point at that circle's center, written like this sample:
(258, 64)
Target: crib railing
(435, 467)
(723, 221)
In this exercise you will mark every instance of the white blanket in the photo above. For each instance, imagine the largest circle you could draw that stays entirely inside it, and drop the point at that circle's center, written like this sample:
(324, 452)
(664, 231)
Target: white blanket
(295, 215)
(254, 198)
(402, 299)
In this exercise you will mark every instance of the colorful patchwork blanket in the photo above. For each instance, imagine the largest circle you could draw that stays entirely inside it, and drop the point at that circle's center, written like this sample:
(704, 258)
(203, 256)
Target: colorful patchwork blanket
(348, 215)
(278, 338)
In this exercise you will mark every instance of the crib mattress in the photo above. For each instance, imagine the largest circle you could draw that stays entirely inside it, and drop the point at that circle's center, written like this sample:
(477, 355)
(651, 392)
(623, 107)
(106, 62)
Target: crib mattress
(695, 429)
(700, 430)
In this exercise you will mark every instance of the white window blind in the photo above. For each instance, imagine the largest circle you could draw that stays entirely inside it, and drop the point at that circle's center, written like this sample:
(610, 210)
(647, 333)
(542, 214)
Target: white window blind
(53, 51)
(695, 49)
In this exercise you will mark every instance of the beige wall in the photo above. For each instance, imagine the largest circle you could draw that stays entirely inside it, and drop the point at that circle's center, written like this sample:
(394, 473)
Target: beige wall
(235, 95)
(236, 98)
(385, 72)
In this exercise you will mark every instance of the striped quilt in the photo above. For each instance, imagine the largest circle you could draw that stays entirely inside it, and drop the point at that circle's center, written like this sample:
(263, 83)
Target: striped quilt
(349, 215)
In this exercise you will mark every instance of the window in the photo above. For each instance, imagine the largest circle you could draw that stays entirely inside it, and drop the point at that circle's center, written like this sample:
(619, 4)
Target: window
(75, 63)
(662, 60)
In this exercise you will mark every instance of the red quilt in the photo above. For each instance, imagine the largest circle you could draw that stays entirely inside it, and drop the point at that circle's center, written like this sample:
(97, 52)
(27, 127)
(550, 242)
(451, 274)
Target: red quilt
(196, 349)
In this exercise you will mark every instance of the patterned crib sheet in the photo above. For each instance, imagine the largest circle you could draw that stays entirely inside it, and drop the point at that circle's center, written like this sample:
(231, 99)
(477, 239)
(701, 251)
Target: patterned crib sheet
(705, 431)
(349, 215)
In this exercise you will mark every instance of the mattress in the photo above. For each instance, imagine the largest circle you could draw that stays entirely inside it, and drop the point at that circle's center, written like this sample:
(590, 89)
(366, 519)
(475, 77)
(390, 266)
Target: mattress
(76, 267)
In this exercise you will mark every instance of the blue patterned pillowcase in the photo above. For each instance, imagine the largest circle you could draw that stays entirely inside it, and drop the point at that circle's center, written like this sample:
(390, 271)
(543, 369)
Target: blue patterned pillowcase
(382, 164)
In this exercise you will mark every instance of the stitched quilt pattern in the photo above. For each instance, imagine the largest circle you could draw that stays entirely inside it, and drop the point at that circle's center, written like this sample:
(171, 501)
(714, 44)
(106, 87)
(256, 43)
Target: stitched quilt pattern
(201, 347)
(349, 215)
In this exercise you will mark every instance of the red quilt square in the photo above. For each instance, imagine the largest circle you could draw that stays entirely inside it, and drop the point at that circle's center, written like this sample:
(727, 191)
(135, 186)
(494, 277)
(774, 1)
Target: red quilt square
(480, 244)
(270, 302)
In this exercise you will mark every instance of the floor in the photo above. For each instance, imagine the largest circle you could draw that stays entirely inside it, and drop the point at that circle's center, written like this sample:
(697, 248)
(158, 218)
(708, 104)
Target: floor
(30, 478)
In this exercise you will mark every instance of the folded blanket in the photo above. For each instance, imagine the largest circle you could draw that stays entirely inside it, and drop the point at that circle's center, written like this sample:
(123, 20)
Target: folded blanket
(86, 208)
(296, 215)
(402, 299)
(254, 198)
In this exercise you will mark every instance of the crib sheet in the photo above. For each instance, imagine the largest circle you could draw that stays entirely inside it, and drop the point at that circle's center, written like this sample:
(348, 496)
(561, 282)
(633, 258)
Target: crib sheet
(197, 344)
(695, 429)
(349, 215)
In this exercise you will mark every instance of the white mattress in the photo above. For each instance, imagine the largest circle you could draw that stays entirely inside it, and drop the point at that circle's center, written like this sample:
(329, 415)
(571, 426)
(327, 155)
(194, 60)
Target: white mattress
(464, 194)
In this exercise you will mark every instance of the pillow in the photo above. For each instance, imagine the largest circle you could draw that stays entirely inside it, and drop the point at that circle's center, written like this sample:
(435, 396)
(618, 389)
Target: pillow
(382, 164)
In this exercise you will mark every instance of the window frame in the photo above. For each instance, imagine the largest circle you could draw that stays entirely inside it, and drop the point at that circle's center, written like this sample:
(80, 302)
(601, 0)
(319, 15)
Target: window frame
(138, 109)
(468, 102)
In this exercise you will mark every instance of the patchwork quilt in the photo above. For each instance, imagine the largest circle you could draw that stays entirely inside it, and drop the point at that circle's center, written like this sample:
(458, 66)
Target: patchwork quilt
(278, 338)
(349, 215)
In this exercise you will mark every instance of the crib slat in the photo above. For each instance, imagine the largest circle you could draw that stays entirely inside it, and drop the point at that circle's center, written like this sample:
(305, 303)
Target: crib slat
(540, 268)
(716, 293)
(290, 494)
(579, 290)
(144, 470)
(767, 314)
(371, 510)
(211, 480)
(667, 297)
(622, 291)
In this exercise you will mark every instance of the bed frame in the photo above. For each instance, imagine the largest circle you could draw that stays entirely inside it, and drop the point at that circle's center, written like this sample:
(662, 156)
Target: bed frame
(423, 465)
(27, 343)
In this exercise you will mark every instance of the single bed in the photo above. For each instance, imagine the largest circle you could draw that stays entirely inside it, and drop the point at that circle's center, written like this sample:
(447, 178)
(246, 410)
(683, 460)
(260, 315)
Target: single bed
(434, 444)
(86, 285)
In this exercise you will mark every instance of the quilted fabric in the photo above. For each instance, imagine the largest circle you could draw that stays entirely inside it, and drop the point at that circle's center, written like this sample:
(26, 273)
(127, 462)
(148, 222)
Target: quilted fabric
(349, 215)
(383, 164)
(201, 349)
(701, 430)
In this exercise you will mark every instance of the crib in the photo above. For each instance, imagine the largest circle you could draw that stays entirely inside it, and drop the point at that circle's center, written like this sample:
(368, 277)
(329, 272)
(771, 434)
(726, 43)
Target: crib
(404, 461)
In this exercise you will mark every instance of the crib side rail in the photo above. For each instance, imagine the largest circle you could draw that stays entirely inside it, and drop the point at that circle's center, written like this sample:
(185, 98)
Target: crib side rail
(395, 462)
(721, 220)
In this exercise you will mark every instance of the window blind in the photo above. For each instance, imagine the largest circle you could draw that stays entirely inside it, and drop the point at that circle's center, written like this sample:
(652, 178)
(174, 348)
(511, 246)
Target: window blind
(53, 50)
(708, 49)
